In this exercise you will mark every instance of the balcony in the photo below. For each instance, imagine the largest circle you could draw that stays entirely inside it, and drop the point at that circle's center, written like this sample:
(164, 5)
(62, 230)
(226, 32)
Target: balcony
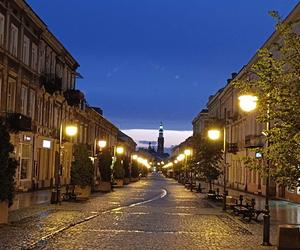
(51, 83)
(254, 141)
(74, 97)
(18, 122)
(232, 148)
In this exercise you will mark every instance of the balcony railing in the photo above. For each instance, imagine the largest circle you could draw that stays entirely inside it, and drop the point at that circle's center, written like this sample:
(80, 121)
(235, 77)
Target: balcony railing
(18, 122)
(74, 97)
(51, 83)
(254, 141)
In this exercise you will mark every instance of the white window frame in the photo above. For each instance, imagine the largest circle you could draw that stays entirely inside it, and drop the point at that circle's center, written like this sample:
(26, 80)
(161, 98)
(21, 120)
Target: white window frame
(24, 99)
(14, 32)
(26, 48)
(34, 56)
(31, 108)
(11, 94)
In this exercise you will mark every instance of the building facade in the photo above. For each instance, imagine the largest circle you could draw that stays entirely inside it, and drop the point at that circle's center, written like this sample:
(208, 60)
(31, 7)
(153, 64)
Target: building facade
(243, 133)
(38, 98)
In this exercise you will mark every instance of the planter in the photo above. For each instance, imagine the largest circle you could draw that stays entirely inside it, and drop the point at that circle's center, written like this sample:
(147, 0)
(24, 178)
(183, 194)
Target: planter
(126, 181)
(119, 182)
(82, 192)
(104, 186)
(3, 212)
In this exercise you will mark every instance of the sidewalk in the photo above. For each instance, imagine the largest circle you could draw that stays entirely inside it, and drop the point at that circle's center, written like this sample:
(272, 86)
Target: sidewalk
(282, 212)
(28, 199)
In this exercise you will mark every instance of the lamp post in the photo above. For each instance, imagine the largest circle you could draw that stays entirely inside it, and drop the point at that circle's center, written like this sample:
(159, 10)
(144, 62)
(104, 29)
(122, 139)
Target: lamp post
(71, 131)
(180, 158)
(101, 144)
(187, 153)
(215, 134)
(248, 103)
(133, 158)
(118, 150)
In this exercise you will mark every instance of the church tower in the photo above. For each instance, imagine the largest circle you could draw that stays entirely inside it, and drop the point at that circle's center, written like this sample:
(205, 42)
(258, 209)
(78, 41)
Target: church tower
(160, 141)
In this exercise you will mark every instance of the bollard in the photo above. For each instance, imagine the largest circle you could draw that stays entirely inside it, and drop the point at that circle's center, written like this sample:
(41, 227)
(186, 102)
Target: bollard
(288, 237)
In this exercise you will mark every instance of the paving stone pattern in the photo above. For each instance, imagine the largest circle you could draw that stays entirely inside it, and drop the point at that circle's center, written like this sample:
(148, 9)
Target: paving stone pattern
(179, 220)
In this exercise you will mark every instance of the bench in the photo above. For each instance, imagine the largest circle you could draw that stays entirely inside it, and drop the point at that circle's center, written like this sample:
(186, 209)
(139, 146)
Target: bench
(232, 202)
(248, 210)
(214, 195)
(70, 193)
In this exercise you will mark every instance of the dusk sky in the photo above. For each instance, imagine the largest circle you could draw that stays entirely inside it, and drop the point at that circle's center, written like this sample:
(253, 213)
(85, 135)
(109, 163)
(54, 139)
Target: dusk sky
(146, 61)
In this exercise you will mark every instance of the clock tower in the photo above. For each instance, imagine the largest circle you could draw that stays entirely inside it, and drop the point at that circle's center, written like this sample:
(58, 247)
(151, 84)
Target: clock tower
(160, 141)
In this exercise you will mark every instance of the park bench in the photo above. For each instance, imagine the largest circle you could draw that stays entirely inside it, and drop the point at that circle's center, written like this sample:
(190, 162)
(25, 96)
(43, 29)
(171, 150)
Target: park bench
(248, 210)
(70, 193)
(215, 195)
(232, 202)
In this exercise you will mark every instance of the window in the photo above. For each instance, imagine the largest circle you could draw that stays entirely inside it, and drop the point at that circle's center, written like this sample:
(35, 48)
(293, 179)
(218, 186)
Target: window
(31, 108)
(11, 94)
(40, 111)
(24, 91)
(13, 40)
(26, 45)
(25, 161)
(42, 57)
(1, 29)
(53, 62)
(34, 54)
(50, 114)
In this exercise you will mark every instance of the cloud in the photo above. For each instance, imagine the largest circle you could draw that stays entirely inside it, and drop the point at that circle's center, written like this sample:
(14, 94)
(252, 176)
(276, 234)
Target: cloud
(172, 137)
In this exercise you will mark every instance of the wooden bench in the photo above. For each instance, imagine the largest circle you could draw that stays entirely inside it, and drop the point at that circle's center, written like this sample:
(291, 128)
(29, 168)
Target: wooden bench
(247, 210)
(214, 195)
(231, 202)
(70, 193)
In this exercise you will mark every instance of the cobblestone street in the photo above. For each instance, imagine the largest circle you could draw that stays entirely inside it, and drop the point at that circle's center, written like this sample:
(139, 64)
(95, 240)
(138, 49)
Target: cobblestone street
(156, 213)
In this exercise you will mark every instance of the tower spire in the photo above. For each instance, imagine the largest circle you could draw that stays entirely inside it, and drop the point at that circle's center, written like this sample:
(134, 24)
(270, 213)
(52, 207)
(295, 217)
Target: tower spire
(160, 141)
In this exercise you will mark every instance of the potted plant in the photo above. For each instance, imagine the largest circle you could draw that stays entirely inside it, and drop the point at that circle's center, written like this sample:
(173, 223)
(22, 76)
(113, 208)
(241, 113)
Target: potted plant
(8, 166)
(127, 170)
(82, 171)
(105, 161)
(135, 173)
(119, 173)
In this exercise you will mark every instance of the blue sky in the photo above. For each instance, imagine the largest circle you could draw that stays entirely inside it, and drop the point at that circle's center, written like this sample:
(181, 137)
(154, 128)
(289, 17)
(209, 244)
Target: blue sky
(146, 61)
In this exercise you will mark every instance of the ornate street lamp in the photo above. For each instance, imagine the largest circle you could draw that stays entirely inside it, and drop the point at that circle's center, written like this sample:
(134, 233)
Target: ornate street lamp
(70, 130)
(248, 103)
(215, 134)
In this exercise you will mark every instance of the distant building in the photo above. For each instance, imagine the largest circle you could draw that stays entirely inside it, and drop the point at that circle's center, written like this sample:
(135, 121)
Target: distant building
(160, 140)
(158, 155)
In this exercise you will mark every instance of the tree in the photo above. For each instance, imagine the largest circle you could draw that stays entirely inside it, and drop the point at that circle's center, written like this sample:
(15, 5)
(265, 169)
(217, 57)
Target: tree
(105, 161)
(118, 171)
(134, 170)
(8, 165)
(82, 170)
(275, 79)
(207, 158)
(126, 166)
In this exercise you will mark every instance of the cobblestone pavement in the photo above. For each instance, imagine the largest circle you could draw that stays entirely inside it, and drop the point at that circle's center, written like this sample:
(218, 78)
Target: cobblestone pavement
(152, 214)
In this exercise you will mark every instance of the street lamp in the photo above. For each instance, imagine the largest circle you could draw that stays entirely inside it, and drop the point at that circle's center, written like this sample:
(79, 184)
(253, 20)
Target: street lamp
(118, 150)
(215, 134)
(248, 103)
(187, 153)
(102, 144)
(70, 130)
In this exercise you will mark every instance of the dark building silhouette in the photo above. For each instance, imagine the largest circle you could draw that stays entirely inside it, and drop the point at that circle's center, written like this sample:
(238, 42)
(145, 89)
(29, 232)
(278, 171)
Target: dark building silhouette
(160, 140)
